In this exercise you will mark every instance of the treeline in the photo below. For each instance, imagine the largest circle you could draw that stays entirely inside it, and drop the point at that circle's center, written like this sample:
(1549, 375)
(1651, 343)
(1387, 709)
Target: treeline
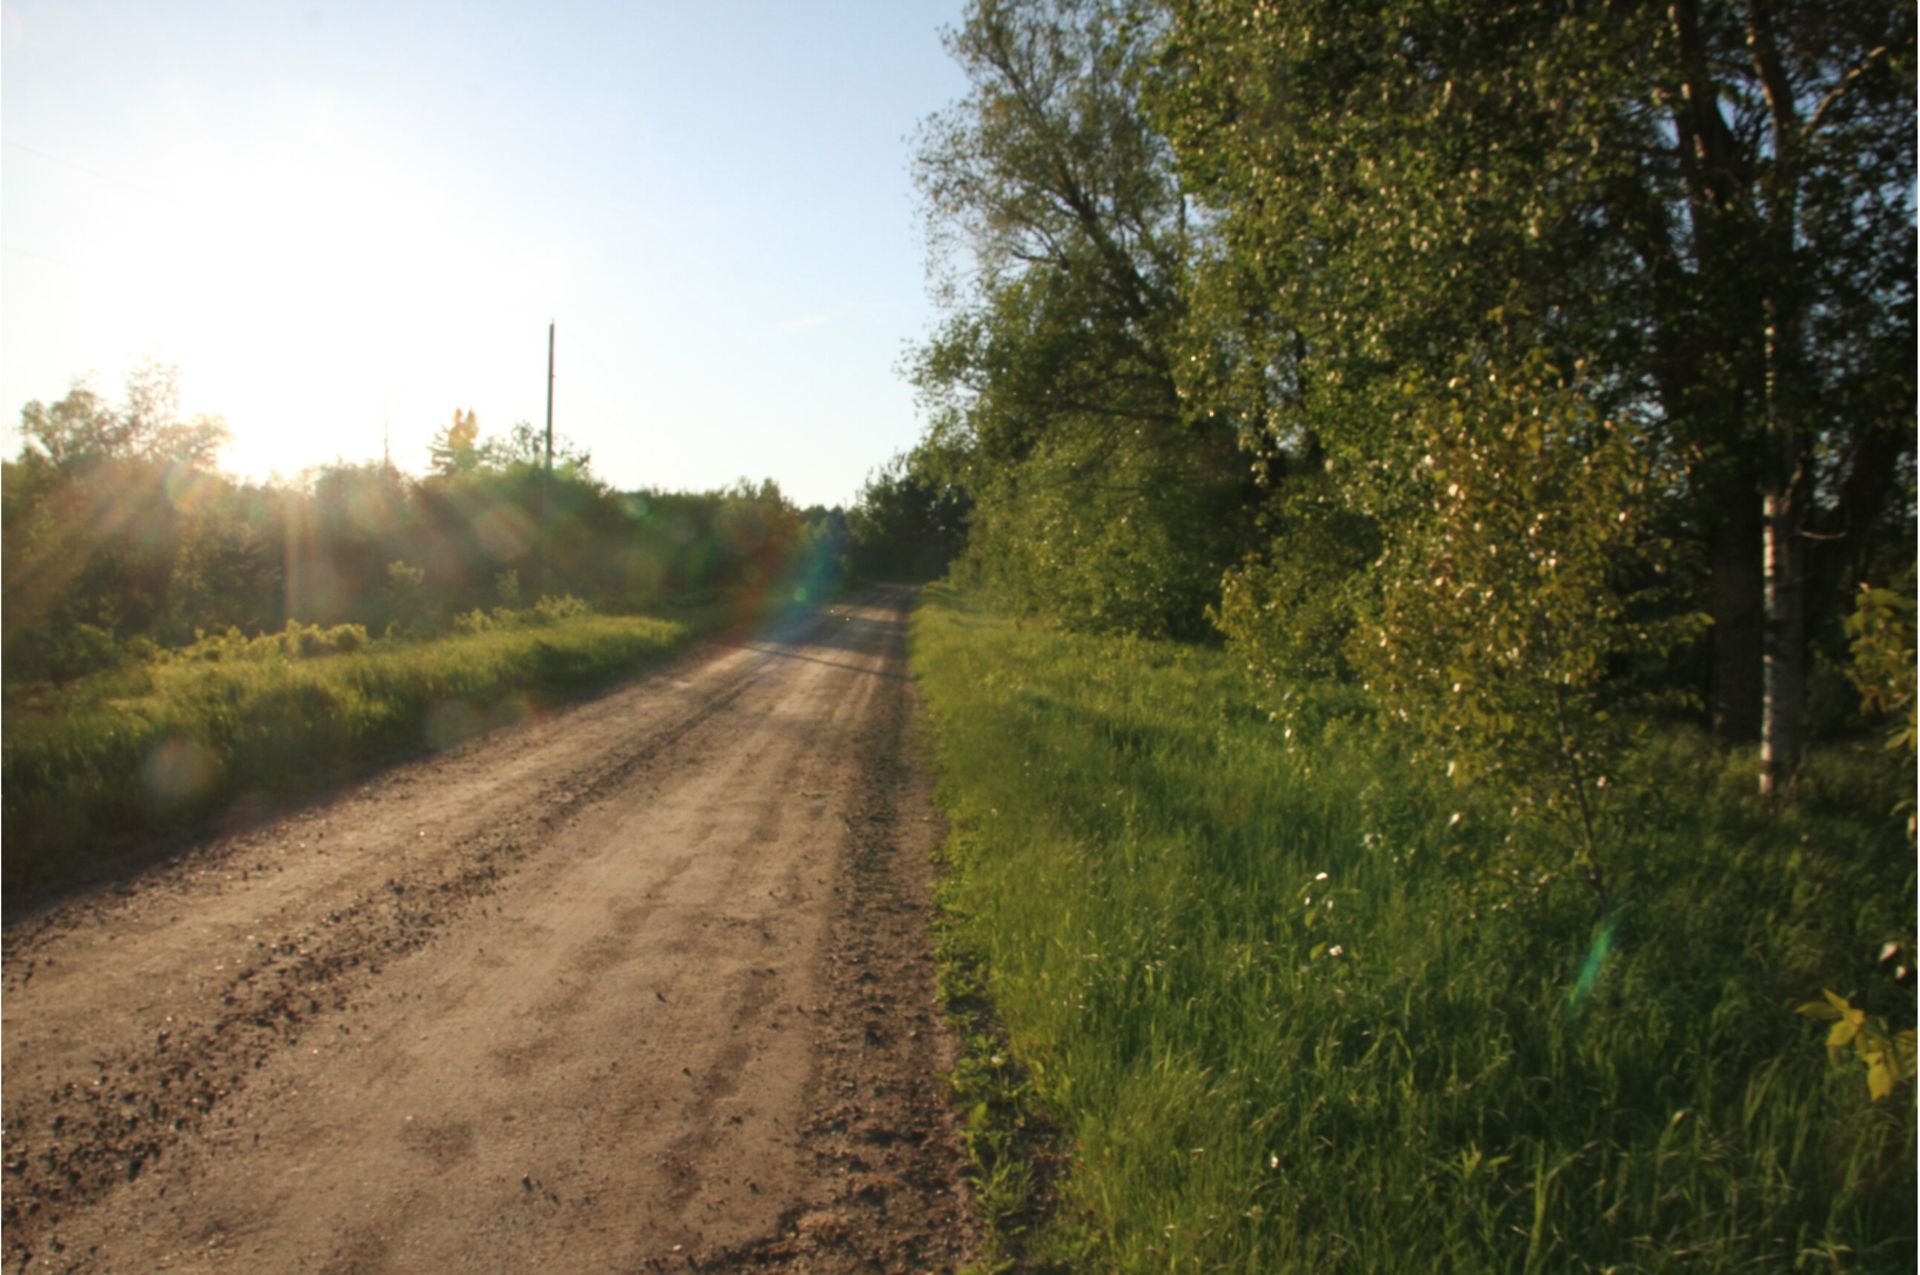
(1541, 369)
(122, 536)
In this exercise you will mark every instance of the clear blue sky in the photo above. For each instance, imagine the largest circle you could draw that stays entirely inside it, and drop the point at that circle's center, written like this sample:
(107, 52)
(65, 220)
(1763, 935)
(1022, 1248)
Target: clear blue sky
(330, 215)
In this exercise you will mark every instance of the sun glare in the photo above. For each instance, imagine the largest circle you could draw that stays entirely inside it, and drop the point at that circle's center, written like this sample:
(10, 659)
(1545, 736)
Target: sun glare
(317, 290)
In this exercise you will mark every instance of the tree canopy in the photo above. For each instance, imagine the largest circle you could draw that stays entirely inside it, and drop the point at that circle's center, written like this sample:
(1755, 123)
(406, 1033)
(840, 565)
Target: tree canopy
(1600, 316)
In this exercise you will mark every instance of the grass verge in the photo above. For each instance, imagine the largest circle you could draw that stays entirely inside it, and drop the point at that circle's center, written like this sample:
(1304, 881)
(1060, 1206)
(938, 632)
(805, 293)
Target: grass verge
(164, 744)
(1290, 1009)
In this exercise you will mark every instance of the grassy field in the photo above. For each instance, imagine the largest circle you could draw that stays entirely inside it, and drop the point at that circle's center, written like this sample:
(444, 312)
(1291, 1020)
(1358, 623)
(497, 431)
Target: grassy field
(161, 743)
(1289, 1007)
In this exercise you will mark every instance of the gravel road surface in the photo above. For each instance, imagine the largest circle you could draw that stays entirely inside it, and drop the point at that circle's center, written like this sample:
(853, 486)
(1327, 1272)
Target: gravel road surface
(643, 983)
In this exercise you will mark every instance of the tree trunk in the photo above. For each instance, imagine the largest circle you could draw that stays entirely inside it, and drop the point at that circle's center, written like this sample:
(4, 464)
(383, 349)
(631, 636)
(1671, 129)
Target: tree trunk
(1783, 717)
(1735, 690)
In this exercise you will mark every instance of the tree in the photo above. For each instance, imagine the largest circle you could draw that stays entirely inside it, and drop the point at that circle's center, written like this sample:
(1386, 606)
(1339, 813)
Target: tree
(83, 428)
(456, 447)
(1051, 383)
(525, 445)
(1707, 205)
(907, 523)
(1500, 621)
(97, 505)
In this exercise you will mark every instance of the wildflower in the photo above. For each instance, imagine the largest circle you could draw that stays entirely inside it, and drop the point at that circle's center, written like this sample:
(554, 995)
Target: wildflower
(1336, 950)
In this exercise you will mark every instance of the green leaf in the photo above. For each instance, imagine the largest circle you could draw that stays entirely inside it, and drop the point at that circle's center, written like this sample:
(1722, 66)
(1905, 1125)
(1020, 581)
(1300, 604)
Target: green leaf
(1879, 1077)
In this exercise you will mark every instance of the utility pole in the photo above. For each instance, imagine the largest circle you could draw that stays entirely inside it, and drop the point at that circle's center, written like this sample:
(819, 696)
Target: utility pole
(546, 475)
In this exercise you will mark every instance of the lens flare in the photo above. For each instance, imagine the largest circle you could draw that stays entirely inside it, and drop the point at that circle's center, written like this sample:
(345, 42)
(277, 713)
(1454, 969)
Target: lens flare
(176, 770)
(1592, 967)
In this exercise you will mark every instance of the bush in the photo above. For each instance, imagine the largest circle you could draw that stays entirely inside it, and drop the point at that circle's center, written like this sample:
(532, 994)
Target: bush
(561, 609)
(1287, 614)
(305, 641)
(296, 641)
(115, 757)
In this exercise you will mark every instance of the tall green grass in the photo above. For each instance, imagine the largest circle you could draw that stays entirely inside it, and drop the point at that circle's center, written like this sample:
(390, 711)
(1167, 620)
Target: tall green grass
(163, 743)
(1290, 1013)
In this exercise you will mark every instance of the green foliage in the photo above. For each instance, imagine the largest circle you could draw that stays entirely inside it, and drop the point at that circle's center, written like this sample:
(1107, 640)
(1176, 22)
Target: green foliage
(1306, 227)
(1709, 205)
(552, 610)
(456, 447)
(1887, 1057)
(1288, 613)
(176, 640)
(1096, 499)
(1880, 633)
(549, 610)
(506, 589)
(1106, 538)
(115, 531)
(1289, 1013)
(526, 446)
(304, 641)
(1007, 1139)
(1496, 627)
(84, 649)
(159, 745)
(907, 523)
(83, 429)
(406, 598)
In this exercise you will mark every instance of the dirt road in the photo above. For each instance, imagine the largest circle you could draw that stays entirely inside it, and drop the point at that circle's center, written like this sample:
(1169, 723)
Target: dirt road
(640, 985)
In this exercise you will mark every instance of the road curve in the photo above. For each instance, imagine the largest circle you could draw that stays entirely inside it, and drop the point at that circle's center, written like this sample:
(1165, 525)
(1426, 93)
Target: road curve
(639, 984)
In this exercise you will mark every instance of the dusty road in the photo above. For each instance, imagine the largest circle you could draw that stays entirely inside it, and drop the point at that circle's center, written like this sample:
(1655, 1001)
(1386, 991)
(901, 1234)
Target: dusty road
(640, 985)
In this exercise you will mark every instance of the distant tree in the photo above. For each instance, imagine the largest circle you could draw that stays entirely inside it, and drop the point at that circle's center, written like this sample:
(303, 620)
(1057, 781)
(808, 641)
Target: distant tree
(98, 505)
(907, 523)
(83, 427)
(358, 518)
(523, 444)
(456, 447)
(230, 566)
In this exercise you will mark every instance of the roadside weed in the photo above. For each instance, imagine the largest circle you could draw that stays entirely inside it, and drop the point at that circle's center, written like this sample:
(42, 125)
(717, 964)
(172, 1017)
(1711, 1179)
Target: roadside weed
(1290, 1008)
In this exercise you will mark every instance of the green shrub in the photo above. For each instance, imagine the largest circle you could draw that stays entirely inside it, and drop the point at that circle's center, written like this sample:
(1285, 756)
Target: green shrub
(1287, 614)
(305, 641)
(78, 651)
(549, 610)
(159, 745)
(506, 588)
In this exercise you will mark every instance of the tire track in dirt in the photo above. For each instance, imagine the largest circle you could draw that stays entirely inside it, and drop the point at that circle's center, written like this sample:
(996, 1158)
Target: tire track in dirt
(605, 949)
(108, 1126)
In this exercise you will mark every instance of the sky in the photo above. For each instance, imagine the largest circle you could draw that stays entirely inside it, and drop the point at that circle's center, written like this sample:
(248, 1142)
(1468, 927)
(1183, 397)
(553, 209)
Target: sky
(342, 222)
